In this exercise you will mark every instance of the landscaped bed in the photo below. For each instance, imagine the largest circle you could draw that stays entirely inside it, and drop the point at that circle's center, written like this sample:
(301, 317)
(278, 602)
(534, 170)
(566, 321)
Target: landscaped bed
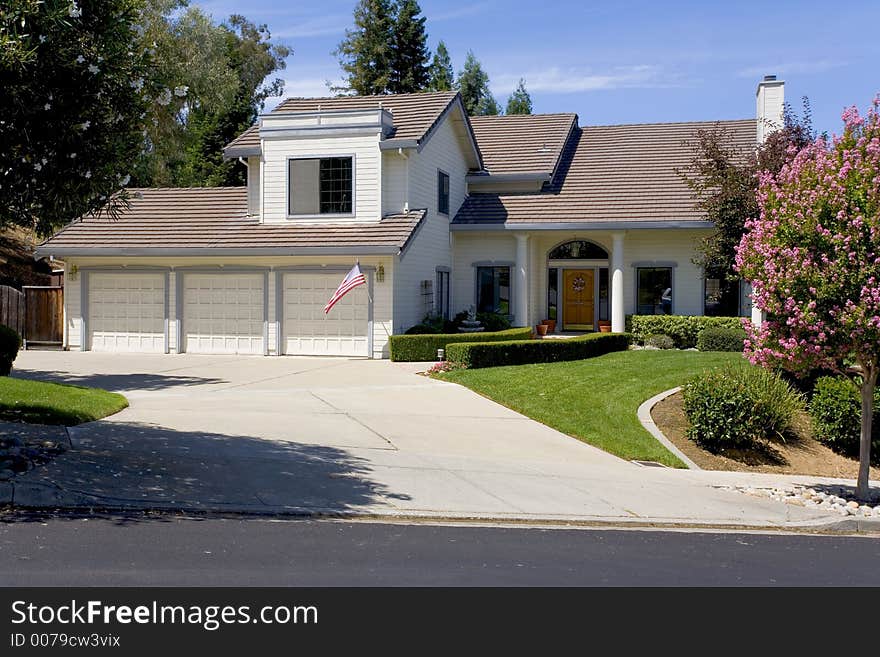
(39, 402)
(594, 400)
(800, 453)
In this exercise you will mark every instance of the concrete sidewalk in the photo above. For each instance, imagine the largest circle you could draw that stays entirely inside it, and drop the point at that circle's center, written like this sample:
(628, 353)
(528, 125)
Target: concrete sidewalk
(353, 437)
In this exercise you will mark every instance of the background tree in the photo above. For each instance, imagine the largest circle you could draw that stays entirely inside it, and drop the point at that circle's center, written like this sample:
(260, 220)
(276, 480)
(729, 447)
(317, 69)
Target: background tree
(441, 75)
(76, 79)
(365, 54)
(519, 102)
(813, 258)
(220, 73)
(473, 83)
(409, 50)
(724, 183)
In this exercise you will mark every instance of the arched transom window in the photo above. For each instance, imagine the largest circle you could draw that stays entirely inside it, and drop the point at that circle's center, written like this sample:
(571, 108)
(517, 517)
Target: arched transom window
(578, 250)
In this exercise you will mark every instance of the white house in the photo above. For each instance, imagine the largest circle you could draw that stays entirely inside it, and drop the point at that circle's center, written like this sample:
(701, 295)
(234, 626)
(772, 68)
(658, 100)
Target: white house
(531, 216)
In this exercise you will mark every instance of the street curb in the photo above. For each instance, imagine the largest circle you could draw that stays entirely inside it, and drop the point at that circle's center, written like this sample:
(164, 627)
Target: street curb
(847, 525)
(644, 415)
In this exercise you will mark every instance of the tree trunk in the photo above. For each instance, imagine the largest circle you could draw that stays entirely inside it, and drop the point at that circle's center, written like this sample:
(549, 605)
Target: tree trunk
(869, 380)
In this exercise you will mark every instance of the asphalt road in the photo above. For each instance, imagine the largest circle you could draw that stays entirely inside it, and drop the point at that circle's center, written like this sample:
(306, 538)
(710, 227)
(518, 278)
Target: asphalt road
(167, 551)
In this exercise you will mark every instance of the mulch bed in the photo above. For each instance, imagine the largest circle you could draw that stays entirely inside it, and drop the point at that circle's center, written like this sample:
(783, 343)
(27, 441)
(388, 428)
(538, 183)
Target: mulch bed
(799, 454)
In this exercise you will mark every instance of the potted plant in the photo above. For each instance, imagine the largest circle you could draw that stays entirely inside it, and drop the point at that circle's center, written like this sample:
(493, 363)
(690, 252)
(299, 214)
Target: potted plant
(604, 326)
(541, 330)
(551, 325)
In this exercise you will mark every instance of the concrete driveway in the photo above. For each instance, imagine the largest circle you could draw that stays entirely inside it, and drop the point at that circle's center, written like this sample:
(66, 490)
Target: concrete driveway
(258, 434)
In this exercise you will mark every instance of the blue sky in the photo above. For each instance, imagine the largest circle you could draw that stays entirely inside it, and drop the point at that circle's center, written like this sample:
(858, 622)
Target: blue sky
(619, 62)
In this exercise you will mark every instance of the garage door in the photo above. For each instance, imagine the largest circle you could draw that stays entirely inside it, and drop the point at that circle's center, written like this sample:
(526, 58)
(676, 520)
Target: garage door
(126, 312)
(307, 331)
(223, 313)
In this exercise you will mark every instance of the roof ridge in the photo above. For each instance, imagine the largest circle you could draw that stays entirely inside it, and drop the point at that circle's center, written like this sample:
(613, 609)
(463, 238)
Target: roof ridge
(631, 125)
(524, 116)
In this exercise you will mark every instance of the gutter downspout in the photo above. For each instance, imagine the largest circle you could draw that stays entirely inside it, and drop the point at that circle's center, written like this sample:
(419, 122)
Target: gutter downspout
(405, 156)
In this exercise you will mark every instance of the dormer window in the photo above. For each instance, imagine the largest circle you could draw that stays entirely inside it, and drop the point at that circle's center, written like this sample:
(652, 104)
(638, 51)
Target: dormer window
(443, 192)
(320, 185)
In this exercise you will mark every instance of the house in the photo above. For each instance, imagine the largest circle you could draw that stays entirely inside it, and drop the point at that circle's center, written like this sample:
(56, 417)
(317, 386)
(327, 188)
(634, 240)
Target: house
(530, 216)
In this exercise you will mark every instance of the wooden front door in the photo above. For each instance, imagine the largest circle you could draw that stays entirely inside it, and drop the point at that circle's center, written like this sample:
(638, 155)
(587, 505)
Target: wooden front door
(578, 300)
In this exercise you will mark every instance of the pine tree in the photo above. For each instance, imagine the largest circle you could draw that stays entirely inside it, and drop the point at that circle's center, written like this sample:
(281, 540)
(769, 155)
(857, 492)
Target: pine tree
(488, 106)
(409, 50)
(519, 102)
(473, 83)
(366, 52)
(442, 77)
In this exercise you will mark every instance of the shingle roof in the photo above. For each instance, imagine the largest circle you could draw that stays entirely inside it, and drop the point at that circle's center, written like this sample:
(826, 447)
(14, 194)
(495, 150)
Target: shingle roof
(617, 173)
(522, 143)
(214, 219)
(414, 114)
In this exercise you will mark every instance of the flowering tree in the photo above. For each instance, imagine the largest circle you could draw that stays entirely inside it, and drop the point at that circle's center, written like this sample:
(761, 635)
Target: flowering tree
(813, 258)
(76, 85)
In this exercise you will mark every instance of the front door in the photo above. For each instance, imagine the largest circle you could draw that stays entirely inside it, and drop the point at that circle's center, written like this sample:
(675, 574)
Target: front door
(578, 301)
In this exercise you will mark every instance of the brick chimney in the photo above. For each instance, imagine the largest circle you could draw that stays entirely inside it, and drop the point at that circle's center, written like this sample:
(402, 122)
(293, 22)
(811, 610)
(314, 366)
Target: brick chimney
(770, 100)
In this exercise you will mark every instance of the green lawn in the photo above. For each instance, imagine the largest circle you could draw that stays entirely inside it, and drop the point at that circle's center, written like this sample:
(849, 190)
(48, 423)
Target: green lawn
(594, 400)
(38, 402)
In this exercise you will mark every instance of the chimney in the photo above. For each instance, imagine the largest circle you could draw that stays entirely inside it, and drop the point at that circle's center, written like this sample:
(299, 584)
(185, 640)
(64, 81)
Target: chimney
(770, 100)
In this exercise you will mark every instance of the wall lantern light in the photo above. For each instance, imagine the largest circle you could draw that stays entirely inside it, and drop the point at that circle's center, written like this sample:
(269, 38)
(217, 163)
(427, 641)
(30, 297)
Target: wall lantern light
(380, 274)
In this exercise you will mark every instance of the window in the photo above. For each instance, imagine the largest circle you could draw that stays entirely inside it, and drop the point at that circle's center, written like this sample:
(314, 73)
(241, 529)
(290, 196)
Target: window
(654, 291)
(578, 250)
(553, 294)
(442, 192)
(604, 311)
(722, 298)
(320, 186)
(442, 304)
(493, 290)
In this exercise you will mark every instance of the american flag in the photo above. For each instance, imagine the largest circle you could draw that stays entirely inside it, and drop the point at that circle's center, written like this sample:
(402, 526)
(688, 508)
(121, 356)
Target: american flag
(354, 278)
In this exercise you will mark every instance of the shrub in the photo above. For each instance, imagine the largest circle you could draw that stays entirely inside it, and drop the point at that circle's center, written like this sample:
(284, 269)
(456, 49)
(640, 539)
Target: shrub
(424, 347)
(739, 406)
(521, 352)
(659, 341)
(721, 338)
(683, 329)
(836, 410)
(421, 329)
(10, 343)
(489, 321)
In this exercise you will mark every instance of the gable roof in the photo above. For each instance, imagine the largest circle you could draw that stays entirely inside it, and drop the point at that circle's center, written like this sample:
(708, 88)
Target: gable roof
(214, 221)
(415, 115)
(610, 175)
(522, 143)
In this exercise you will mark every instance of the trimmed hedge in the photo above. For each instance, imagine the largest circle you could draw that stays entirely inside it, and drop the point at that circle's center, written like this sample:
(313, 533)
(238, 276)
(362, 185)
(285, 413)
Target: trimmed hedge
(683, 329)
(836, 409)
(659, 341)
(721, 338)
(10, 343)
(522, 352)
(408, 348)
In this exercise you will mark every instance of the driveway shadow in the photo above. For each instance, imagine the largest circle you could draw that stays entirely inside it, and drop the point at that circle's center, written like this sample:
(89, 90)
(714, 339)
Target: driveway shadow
(119, 382)
(141, 466)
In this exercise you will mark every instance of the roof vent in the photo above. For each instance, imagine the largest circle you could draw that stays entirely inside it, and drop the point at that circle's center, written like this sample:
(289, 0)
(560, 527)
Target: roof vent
(769, 78)
(544, 148)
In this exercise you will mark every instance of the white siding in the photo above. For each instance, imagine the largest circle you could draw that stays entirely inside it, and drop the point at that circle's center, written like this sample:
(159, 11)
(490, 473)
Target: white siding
(72, 308)
(253, 181)
(430, 246)
(393, 182)
(367, 176)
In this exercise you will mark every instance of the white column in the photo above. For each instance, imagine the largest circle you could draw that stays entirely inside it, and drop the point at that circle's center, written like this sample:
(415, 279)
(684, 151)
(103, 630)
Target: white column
(521, 281)
(618, 317)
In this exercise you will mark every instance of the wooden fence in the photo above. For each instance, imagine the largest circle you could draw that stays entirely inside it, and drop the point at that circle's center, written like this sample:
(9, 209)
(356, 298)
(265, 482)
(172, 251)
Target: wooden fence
(12, 308)
(36, 313)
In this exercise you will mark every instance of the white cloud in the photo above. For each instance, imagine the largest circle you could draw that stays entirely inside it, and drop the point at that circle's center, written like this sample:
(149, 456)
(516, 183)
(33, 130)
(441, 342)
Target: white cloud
(469, 10)
(574, 80)
(790, 68)
(314, 27)
(306, 87)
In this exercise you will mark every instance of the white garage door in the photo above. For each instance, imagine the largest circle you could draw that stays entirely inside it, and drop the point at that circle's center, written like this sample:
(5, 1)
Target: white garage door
(126, 312)
(307, 331)
(223, 313)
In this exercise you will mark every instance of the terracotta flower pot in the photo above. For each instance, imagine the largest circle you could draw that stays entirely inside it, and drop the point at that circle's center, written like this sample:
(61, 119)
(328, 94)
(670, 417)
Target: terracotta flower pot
(550, 324)
(604, 328)
(541, 329)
